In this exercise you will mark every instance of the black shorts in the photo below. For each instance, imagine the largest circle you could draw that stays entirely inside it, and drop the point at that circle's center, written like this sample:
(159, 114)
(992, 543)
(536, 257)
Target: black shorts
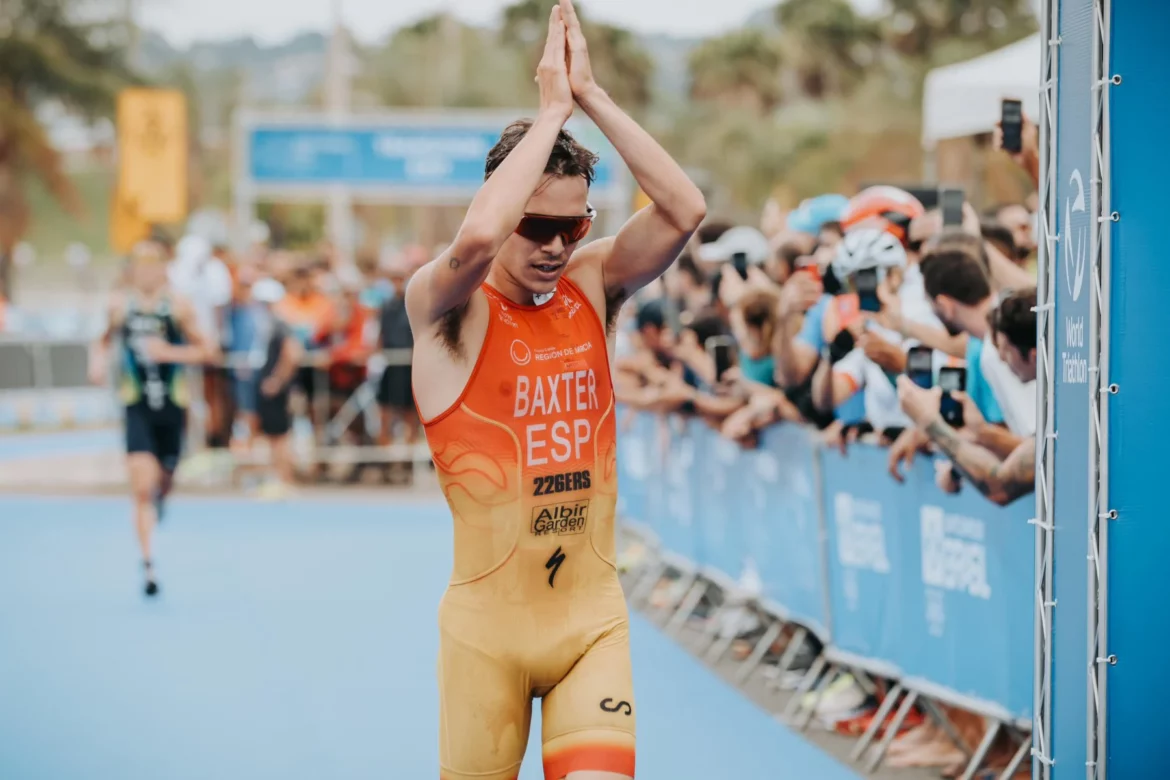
(158, 432)
(394, 389)
(274, 415)
(307, 379)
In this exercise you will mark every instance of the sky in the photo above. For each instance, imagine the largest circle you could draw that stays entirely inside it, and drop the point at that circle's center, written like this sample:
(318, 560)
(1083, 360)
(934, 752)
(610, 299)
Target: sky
(272, 21)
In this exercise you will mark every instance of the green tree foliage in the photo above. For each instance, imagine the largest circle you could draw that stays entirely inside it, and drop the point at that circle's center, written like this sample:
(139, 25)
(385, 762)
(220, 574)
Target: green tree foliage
(48, 51)
(827, 44)
(740, 69)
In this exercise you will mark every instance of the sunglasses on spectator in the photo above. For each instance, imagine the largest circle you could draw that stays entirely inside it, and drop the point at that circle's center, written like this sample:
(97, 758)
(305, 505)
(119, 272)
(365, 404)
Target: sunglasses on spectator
(543, 228)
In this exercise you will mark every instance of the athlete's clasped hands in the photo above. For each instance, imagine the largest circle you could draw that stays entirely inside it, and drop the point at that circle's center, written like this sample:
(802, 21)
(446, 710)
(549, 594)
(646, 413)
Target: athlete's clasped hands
(564, 73)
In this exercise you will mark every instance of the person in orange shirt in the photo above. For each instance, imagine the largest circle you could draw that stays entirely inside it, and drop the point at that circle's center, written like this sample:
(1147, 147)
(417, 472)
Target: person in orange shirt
(512, 382)
(309, 313)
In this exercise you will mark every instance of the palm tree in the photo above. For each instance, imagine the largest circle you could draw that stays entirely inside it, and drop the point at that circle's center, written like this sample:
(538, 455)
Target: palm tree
(619, 60)
(441, 62)
(47, 52)
(915, 28)
(828, 44)
(740, 69)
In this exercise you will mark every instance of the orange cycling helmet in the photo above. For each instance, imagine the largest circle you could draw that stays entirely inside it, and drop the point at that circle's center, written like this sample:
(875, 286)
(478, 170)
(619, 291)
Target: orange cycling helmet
(895, 207)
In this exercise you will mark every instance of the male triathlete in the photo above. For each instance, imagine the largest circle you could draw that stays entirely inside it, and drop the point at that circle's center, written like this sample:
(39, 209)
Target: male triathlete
(157, 333)
(512, 383)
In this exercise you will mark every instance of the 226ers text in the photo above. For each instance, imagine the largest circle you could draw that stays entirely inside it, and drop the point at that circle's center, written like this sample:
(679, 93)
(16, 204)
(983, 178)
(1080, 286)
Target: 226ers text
(561, 393)
(549, 484)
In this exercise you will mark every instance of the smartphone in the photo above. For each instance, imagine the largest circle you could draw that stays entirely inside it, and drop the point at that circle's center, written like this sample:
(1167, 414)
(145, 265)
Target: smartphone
(739, 262)
(1012, 122)
(920, 366)
(950, 203)
(952, 380)
(808, 265)
(865, 282)
(722, 352)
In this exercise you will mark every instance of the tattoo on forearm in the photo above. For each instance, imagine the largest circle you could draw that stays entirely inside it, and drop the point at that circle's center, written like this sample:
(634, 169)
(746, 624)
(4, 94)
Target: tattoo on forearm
(1001, 481)
(453, 264)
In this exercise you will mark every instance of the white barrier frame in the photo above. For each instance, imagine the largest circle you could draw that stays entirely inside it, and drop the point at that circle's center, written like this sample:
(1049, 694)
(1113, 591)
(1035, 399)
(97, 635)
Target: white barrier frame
(1045, 394)
(1100, 245)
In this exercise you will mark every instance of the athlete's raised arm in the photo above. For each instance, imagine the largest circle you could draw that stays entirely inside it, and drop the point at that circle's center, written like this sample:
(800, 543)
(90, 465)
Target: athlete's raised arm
(448, 281)
(653, 238)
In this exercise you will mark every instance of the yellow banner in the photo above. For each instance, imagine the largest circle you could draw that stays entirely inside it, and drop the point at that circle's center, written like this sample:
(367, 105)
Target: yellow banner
(153, 153)
(127, 228)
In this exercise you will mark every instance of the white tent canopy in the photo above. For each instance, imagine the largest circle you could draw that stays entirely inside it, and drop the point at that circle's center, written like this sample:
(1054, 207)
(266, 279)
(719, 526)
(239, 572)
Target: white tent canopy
(965, 98)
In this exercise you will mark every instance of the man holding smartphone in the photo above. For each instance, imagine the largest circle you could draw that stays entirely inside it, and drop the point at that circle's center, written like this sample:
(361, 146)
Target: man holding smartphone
(1000, 478)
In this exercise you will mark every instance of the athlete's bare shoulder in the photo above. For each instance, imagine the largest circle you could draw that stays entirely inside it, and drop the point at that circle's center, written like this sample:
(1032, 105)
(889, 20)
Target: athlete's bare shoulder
(587, 271)
(445, 352)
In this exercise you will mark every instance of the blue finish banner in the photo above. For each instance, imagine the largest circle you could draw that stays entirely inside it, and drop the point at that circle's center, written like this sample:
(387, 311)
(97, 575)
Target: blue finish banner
(1073, 280)
(403, 156)
(1138, 624)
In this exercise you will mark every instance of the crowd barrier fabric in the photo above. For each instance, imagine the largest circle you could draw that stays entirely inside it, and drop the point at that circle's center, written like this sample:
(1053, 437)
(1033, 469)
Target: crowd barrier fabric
(931, 588)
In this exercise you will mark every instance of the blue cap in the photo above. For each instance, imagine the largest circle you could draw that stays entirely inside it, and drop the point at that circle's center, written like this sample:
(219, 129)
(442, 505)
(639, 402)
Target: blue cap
(811, 214)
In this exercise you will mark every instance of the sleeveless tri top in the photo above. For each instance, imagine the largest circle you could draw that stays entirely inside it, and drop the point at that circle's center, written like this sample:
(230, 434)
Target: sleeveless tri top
(526, 456)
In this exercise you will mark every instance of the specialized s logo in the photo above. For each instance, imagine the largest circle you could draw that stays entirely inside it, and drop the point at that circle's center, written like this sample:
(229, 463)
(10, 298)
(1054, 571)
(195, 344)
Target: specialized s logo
(624, 707)
(554, 565)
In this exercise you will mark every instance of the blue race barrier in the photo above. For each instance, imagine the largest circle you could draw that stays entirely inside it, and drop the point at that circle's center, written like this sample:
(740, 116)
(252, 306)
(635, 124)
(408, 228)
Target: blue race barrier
(719, 505)
(674, 514)
(971, 600)
(911, 583)
(637, 464)
(783, 528)
(866, 557)
(935, 587)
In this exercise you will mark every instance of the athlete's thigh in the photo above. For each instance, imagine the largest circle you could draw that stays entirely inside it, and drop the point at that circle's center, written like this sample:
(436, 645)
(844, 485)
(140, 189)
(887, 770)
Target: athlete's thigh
(168, 441)
(485, 710)
(588, 718)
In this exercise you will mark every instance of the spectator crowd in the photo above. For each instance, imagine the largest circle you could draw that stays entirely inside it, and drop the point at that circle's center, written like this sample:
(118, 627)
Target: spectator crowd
(904, 319)
(303, 337)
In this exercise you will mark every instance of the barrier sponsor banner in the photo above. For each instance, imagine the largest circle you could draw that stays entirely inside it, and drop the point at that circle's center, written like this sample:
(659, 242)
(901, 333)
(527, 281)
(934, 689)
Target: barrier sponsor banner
(933, 588)
(866, 555)
(1073, 278)
(933, 585)
(968, 605)
(639, 464)
(718, 503)
(674, 511)
(782, 522)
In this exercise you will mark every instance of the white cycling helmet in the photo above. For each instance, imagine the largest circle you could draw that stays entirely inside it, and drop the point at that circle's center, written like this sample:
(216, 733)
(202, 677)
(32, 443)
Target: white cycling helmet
(866, 248)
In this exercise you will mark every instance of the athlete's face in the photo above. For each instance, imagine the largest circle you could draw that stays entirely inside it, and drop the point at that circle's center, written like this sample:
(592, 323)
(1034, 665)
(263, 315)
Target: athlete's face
(148, 267)
(533, 266)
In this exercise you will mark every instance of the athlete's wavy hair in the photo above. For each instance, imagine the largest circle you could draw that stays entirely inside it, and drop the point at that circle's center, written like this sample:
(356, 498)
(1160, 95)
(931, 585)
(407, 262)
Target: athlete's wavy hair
(568, 158)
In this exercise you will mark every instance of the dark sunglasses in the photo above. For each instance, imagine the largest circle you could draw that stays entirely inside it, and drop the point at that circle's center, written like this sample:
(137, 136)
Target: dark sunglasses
(542, 228)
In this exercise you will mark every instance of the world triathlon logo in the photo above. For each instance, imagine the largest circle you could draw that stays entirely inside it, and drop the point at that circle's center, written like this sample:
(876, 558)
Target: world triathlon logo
(1075, 252)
